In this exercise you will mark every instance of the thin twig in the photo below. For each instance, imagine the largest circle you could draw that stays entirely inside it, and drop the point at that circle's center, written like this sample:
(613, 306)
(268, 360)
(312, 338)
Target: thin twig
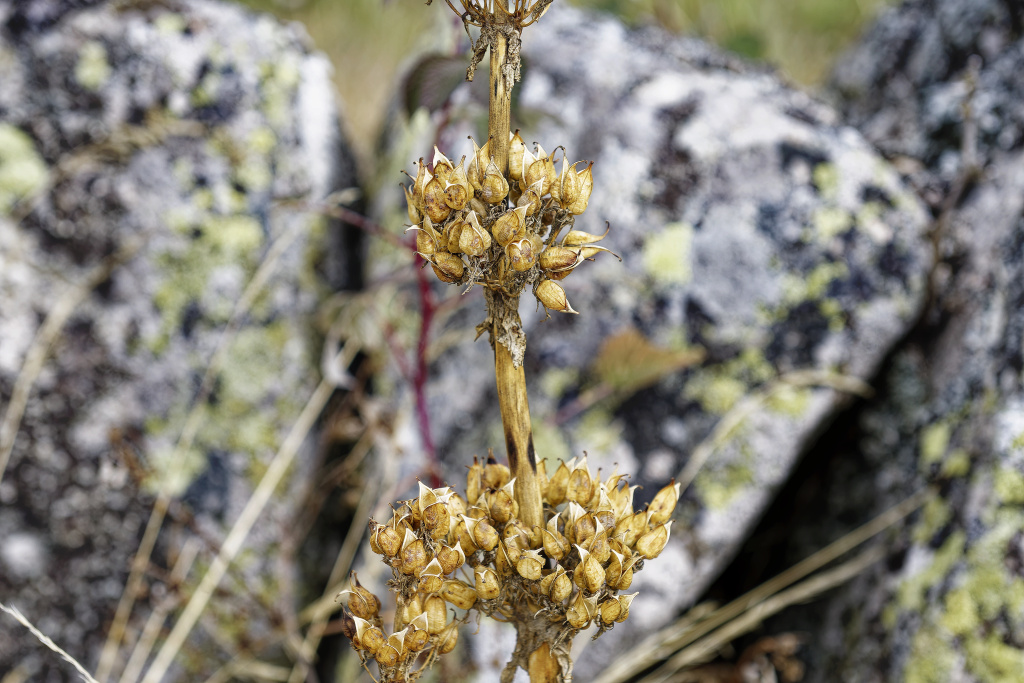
(233, 543)
(13, 611)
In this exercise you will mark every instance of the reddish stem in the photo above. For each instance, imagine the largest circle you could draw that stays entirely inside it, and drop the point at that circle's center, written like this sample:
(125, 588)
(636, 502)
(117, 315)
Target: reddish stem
(427, 309)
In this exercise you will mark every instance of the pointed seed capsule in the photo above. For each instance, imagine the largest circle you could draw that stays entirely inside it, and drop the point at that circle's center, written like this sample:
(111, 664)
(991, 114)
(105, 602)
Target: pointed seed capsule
(369, 637)
(493, 187)
(529, 565)
(559, 258)
(437, 520)
(503, 506)
(609, 610)
(477, 166)
(448, 267)
(531, 198)
(413, 556)
(458, 593)
(458, 190)
(578, 238)
(436, 614)
(624, 602)
(431, 577)
(474, 481)
(521, 255)
(551, 295)
(484, 535)
(581, 484)
(442, 166)
(557, 485)
(448, 639)
(555, 545)
(423, 177)
(361, 602)
(664, 503)
(650, 545)
(510, 225)
(450, 558)
(561, 586)
(416, 636)
(387, 539)
(586, 177)
(411, 207)
(569, 184)
(516, 149)
(486, 581)
(473, 239)
(496, 475)
(589, 574)
(578, 615)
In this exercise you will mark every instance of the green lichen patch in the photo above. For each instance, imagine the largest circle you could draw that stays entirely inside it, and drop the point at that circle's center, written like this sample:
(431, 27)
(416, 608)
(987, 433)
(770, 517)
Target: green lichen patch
(92, 70)
(913, 592)
(718, 487)
(826, 178)
(831, 221)
(1009, 485)
(934, 442)
(932, 657)
(23, 174)
(719, 387)
(667, 254)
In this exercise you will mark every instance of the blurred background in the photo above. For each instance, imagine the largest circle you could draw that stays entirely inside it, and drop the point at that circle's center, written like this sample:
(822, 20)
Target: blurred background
(379, 40)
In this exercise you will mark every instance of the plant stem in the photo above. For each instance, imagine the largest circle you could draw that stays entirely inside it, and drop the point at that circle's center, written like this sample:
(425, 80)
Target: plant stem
(511, 380)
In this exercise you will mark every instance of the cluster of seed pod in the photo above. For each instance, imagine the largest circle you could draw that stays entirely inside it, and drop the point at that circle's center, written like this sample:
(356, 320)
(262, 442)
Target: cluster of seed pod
(477, 225)
(474, 552)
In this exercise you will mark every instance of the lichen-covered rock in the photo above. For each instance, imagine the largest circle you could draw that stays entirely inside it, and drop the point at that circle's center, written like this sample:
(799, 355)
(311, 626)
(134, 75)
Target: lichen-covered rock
(173, 144)
(755, 231)
(950, 605)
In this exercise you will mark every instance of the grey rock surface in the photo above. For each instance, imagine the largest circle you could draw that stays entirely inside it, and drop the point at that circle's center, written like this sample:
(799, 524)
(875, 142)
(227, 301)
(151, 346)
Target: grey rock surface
(753, 226)
(171, 134)
(948, 606)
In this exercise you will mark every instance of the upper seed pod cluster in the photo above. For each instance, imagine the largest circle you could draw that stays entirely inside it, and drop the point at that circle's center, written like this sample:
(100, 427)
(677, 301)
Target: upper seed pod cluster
(476, 224)
(565, 575)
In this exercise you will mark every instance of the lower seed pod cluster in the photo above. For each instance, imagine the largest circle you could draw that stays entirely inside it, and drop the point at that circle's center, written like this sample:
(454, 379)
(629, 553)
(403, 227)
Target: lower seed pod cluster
(450, 554)
(479, 225)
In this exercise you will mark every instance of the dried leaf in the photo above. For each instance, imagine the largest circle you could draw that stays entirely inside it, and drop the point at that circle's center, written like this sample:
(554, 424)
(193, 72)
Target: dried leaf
(628, 361)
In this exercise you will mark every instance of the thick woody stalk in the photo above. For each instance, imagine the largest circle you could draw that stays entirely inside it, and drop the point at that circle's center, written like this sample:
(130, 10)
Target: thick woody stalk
(511, 380)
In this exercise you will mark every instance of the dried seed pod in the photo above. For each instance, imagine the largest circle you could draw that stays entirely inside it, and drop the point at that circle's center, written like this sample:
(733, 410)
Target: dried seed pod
(558, 259)
(510, 225)
(586, 177)
(474, 481)
(581, 484)
(348, 627)
(650, 545)
(458, 190)
(448, 267)
(437, 520)
(503, 505)
(493, 187)
(589, 574)
(613, 571)
(664, 503)
(531, 199)
(569, 184)
(584, 529)
(521, 254)
(423, 176)
(426, 496)
(561, 586)
(434, 204)
(413, 556)
(448, 638)
(557, 485)
(624, 602)
(416, 636)
(368, 636)
(516, 150)
(502, 562)
(551, 178)
(529, 565)
(458, 593)
(578, 238)
(551, 295)
(512, 551)
(473, 239)
(625, 579)
(411, 608)
(598, 546)
(361, 602)
(386, 538)
(486, 581)
(580, 611)
(411, 207)
(450, 558)
(456, 505)
(477, 166)
(555, 545)
(517, 530)
(609, 610)
(436, 614)
(396, 642)
(484, 535)
(537, 172)
(442, 166)
(463, 537)
(428, 240)
(631, 527)
(496, 475)
(430, 577)
(453, 234)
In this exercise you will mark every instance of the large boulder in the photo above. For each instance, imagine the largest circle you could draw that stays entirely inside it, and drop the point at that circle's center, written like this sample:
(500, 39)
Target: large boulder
(771, 259)
(950, 605)
(153, 156)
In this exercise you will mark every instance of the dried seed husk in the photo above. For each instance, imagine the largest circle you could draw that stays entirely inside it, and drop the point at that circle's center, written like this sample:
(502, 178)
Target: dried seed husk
(361, 602)
(586, 177)
(555, 545)
(551, 295)
(599, 547)
(625, 579)
(609, 610)
(478, 165)
(537, 173)
(559, 259)
(448, 267)
(589, 574)
(503, 506)
(397, 641)
(561, 586)
(486, 581)
(430, 577)
(386, 655)
(496, 475)
(442, 166)
(483, 534)
(416, 638)
(423, 176)
(578, 238)
(369, 637)
(584, 529)
(650, 545)
(386, 538)
(426, 496)
(512, 551)
(557, 485)
(458, 190)
(531, 199)
(412, 558)
(529, 565)
(436, 614)
(578, 614)
(451, 558)
(493, 187)
(624, 602)
(631, 527)
(463, 537)
(664, 503)
(348, 628)
(581, 484)
(509, 226)
(569, 184)
(437, 520)
(551, 178)
(473, 239)
(458, 593)
(456, 505)
(474, 481)
(516, 150)
(521, 255)
(613, 571)
(411, 207)
(517, 530)
(448, 639)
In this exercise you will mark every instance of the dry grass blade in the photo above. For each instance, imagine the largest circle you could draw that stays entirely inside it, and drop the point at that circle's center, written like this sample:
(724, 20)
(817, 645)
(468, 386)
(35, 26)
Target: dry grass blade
(44, 339)
(13, 611)
(706, 647)
(236, 537)
(192, 422)
(744, 408)
(683, 632)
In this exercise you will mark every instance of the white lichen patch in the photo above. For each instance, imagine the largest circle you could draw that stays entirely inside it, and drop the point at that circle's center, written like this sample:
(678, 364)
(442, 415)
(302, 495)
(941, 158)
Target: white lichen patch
(93, 68)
